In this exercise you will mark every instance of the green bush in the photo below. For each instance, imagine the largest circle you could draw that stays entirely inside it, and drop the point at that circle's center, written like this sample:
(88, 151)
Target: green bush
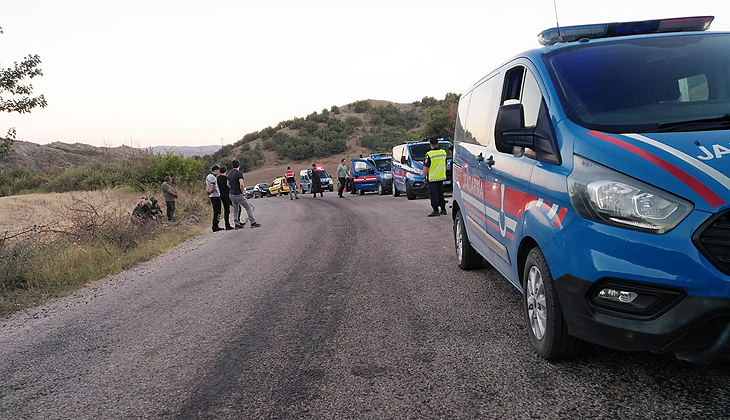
(18, 179)
(177, 166)
(15, 272)
(250, 158)
(384, 140)
(353, 121)
(362, 106)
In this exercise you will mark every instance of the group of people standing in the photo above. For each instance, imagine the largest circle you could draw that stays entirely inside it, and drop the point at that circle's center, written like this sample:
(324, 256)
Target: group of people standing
(225, 189)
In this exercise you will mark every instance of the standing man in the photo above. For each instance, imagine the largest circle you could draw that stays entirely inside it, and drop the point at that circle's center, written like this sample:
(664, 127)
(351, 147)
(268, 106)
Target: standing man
(434, 174)
(341, 177)
(292, 183)
(225, 199)
(316, 182)
(211, 187)
(170, 196)
(236, 188)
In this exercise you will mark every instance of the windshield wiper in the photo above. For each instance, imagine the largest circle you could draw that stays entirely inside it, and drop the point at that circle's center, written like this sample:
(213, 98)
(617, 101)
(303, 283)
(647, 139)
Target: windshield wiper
(701, 124)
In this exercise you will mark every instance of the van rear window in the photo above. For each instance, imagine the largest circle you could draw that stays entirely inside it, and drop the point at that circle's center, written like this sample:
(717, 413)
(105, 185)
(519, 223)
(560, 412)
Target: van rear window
(644, 84)
(418, 151)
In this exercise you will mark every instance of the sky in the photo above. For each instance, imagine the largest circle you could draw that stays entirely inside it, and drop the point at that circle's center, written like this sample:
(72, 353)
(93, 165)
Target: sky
(190, 73)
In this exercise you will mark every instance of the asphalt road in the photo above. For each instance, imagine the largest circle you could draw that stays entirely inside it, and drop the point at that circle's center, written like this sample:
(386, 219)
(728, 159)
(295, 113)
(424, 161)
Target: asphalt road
(334, 309)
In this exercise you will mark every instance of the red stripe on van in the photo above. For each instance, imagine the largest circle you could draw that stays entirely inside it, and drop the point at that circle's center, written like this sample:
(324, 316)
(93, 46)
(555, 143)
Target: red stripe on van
(713, 199)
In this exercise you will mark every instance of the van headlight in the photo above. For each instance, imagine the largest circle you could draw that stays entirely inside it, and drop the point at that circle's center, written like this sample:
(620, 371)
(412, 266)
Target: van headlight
(606, 196)
(387, 176)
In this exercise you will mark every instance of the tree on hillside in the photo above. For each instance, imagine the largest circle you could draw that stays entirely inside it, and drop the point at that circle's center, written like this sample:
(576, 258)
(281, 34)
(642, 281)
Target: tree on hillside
(21, 100)
(441, 118)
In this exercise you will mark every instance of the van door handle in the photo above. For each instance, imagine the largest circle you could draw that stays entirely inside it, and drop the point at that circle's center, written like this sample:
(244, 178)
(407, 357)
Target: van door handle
(490, 161)
(480, 158)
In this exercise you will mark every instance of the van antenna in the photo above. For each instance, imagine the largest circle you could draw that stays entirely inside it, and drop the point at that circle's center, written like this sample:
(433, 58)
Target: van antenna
(557, 24)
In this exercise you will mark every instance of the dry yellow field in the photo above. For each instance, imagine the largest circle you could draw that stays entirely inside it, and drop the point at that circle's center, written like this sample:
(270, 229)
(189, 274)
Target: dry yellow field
(19, 212)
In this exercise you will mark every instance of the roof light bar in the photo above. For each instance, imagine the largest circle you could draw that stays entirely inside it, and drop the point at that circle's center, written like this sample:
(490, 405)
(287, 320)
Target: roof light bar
(606, 30)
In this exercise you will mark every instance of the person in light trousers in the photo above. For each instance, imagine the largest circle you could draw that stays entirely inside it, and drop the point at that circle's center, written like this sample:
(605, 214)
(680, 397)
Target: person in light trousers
(235, 192)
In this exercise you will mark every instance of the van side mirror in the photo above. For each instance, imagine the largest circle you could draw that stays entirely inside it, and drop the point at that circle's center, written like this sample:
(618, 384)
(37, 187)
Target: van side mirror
(403, 160)
(509, 129)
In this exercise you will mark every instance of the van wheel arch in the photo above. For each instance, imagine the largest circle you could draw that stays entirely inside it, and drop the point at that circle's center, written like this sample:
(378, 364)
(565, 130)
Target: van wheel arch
(524, 250)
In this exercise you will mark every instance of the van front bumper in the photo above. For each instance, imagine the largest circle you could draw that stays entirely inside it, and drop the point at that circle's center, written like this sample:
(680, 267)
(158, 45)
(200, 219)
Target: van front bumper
(695, 328)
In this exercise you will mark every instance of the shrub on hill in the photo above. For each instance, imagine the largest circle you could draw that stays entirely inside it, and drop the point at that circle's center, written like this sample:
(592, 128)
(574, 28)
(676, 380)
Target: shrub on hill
(321, 134)
(250, 157)
(362, 106)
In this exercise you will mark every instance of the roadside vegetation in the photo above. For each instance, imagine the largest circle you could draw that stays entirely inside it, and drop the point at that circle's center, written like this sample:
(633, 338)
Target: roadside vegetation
(78, 226)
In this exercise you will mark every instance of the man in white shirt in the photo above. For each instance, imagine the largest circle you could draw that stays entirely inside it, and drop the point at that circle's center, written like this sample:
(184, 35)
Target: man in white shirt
(214, 193)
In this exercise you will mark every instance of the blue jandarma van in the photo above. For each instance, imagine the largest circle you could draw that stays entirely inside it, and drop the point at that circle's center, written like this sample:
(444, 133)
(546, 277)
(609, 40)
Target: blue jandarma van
(594, 174)
(372, 173)
(408, 167)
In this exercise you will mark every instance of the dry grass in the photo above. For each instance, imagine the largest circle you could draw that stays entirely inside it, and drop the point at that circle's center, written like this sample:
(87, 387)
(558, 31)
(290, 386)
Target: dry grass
(82, 237)
(21, 211)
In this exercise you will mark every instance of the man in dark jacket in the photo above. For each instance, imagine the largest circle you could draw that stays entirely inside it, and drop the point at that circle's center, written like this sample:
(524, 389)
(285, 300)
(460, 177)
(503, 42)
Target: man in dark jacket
(316, 176)
(225, 199)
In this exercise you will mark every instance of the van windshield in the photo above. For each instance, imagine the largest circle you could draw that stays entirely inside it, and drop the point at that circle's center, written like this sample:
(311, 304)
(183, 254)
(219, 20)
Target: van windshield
(418, 151)
(383, 165)
(668, 83)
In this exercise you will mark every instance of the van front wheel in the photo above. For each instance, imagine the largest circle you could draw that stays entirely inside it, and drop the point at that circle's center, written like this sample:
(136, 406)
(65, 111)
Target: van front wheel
(546, 326)
(409, 192)
(468, 258)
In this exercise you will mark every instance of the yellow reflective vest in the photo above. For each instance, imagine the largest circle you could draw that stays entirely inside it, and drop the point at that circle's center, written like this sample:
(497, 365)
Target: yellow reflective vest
(437, 169)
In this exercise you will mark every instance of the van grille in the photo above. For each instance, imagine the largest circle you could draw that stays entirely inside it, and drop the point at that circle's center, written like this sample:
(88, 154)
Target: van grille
(713, 241)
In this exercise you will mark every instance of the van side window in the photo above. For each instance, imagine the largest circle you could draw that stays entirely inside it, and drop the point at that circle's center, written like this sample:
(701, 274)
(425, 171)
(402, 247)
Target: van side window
(460, 134)
(482, 111)
(512, 84)
(360, 167)
(531, 99)
(397, 153)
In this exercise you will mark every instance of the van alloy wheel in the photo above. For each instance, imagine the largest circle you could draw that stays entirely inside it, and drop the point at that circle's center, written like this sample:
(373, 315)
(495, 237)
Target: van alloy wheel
(409, 192)
(546, 326)
(381, 191)
(468, 258)
(536, 310)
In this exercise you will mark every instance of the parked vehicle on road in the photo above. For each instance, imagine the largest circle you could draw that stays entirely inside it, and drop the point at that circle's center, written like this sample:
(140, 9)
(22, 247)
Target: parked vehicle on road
(261, 190)
(248, 191)
(594, 173)
(373, 173)
(305, 180)
(279, 186)
(408, 167)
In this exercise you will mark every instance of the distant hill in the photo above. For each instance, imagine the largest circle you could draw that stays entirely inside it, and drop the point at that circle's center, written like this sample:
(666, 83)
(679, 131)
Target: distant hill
(187, 151)
(37, 157)
(361, 127)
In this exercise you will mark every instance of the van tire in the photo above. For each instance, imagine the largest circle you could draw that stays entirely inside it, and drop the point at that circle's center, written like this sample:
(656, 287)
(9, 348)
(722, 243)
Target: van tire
(549, 338)
(468, 257)
(396, 191)
(409, 193)
(362, 192)
(381, 190)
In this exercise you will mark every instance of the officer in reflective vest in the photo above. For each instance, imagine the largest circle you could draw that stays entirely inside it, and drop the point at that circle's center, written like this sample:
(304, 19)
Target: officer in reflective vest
(292, 183)
(434, 174)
